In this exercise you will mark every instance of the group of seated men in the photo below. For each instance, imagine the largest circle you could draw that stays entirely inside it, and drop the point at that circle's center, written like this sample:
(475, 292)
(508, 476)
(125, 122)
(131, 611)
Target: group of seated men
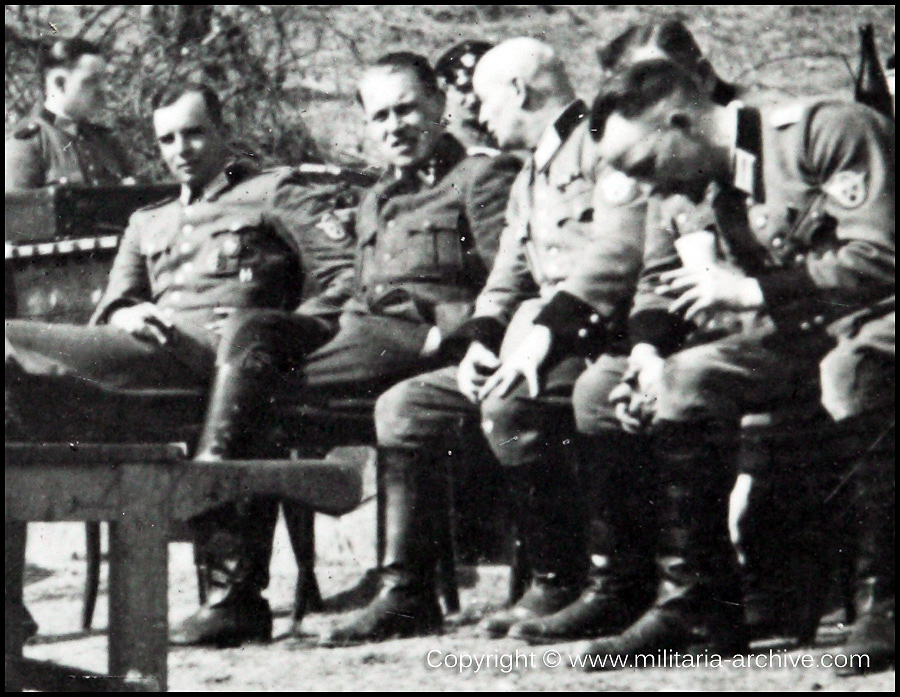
(606, 294)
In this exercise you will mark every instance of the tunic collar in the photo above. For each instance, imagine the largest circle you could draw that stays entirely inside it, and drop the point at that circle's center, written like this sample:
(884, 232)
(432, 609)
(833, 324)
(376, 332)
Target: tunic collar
(557, 133)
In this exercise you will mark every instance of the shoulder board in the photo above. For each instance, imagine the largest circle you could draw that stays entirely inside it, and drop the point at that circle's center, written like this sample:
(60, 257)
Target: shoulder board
(27, 131)
(329, 173)
(482, 151)
(787, 115)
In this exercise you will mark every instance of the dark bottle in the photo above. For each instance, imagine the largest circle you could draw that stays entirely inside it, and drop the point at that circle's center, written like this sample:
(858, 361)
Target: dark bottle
(871, 85)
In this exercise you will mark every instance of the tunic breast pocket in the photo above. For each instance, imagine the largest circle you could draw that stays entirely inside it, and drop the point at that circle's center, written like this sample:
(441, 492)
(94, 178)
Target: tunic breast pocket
(233, 248)
(574, 204)
(439, 244)
(446, 235)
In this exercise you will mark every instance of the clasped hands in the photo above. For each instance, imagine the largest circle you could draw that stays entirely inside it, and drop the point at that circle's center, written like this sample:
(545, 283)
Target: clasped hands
(699, 293)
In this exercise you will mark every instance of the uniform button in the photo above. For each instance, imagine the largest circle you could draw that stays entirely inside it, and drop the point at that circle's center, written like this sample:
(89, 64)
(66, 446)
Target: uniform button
(186, 247)
(799, 259)
(379, 288)
(805, 326)
(176, 296)
(178, 278)
(760, 220)
(778, 242)
(553, 250)
(188, 266)
(595, 319)
(387, 256)
(187, 229)
(681, 218)
(63, 180)
(390, 224)
(819, 320)
(582, 333)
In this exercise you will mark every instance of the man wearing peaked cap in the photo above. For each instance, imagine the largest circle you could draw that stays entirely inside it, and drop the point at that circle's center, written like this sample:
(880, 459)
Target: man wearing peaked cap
(455, 69)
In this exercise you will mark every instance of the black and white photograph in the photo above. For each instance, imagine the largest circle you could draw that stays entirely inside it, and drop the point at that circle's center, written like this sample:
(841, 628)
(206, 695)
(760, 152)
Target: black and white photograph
(484, 348)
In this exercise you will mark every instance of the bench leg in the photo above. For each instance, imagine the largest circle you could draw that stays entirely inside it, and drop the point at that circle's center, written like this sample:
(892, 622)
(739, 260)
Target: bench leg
(139, 581)
(14, 607)
(92, 573)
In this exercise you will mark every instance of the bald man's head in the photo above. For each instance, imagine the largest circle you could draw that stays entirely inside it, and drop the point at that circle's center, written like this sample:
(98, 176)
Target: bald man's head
(522, 85)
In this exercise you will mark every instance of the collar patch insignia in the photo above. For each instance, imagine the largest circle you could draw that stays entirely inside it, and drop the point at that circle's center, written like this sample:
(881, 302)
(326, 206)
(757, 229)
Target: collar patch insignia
(848, 189)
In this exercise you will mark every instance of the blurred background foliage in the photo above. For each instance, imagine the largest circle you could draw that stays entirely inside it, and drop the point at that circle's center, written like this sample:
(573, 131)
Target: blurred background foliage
(287, 72)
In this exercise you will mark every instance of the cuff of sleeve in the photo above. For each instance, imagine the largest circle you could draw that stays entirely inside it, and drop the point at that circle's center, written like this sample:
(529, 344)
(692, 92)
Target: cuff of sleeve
(783, 286)
(658, 328)
(567, 316)
(486, 330)
(102, 314)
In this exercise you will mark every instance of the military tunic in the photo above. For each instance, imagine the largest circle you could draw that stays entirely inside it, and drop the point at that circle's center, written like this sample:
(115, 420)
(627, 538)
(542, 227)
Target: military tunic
(810, 215)
(247, 242)
(426, 241)
(47, 149)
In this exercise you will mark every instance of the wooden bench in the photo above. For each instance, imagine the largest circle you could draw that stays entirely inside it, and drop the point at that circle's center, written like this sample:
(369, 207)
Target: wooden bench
(140, 490)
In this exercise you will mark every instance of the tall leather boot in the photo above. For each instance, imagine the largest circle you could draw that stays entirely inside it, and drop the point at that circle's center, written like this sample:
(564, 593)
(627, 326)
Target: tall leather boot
(697, 604)
(870, 646)
(406, 604)
(231, 550)
(235, 413)
(616, 474)
(551, 522)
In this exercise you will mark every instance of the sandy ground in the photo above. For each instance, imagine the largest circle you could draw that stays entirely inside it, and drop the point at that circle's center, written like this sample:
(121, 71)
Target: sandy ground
(54, 595)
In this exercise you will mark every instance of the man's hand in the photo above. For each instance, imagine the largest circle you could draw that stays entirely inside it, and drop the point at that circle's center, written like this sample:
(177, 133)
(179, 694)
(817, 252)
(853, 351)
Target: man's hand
(432, 343)
(709, 290)
(635, 398)
(143, 321)
(524, 362)
(474, 370)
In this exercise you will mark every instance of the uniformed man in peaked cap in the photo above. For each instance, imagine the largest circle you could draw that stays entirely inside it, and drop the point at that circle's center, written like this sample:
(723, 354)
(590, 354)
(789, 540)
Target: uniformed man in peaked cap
(455, 69)
(427, 234)
(802, 199)
(59, 141)
(187, 269)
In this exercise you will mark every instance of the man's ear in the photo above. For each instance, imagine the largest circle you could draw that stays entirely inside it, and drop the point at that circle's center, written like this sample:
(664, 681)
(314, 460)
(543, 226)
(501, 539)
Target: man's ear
(522, 92)
(58, 81)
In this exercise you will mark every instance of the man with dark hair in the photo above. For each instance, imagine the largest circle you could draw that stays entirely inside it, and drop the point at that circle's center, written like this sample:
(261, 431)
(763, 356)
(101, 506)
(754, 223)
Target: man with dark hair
(187, 270)
(58, 142)
(800, 199)
(427, 235)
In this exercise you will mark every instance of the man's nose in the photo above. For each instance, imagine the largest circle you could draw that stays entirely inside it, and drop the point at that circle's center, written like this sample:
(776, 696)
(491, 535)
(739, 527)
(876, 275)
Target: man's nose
(393, 122)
